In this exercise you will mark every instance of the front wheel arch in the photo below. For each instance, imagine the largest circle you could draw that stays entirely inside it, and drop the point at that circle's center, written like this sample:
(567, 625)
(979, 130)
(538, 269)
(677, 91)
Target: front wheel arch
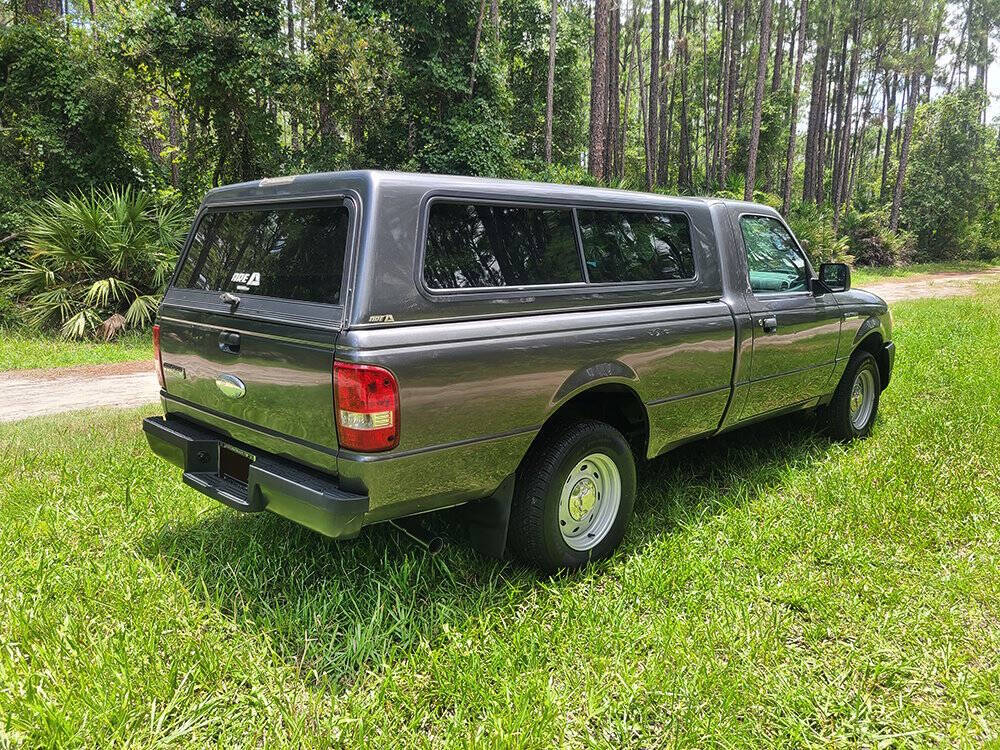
(874, 344)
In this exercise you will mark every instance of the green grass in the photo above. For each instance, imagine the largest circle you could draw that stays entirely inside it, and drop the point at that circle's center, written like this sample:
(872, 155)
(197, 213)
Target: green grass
(21, 349)
(774, 589)
(872, 274)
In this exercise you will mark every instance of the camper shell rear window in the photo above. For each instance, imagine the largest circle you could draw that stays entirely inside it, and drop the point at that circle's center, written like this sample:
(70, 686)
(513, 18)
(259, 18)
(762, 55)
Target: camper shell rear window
(287, 252)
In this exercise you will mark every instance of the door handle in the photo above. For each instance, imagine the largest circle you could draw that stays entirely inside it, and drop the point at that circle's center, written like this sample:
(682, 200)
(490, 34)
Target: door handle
(770, 324)
(229, 341)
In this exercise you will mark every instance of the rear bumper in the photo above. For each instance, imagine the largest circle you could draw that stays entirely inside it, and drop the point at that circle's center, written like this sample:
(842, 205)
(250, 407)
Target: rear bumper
(275, 484)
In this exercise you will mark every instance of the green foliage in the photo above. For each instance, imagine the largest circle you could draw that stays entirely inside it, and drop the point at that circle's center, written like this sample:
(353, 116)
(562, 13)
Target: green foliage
(97, 260)
(218, 58)
(951, 183)
(10, 313)
(67, 120)
(814, 230)
(525, 44)
(871, 241)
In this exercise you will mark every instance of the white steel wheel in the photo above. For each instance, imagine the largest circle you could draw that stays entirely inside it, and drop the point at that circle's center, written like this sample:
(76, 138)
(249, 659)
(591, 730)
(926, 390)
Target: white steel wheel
(589, 501)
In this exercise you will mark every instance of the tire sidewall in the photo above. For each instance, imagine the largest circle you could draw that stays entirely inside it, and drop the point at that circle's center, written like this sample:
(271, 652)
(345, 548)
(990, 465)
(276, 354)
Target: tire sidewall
(610, 442)
(862, 362)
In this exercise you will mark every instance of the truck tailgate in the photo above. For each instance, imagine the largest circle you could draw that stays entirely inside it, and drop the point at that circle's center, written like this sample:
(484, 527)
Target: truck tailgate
(249, 325)
(236, 369)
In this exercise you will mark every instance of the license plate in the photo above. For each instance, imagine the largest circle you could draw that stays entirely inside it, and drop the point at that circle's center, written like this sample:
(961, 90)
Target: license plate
(234, 463)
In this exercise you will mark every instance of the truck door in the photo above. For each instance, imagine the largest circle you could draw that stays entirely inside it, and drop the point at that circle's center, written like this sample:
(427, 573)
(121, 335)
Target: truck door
(795, 332)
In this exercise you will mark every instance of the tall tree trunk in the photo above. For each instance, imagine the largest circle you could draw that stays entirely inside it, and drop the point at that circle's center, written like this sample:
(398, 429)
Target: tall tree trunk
(613, 167)
(741, 79)
(551, 81)
(779, 50)
(758, 98)
(663, 138)
(293, 120)
(904, 151)
(836, 116)
(841, 171)
(684, 181)
(597, 158)
(722, 26)
(630, 65)
(475, 47)
(813, 125)
(731, 74)
(890, 125)
(652, 118)
(173, 135)
(793, 119)
(704, 89)
(826, 85)
(643, 94)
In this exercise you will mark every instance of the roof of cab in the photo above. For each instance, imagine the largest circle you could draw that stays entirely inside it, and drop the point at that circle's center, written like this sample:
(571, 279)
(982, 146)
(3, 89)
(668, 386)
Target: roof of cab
(366, 181)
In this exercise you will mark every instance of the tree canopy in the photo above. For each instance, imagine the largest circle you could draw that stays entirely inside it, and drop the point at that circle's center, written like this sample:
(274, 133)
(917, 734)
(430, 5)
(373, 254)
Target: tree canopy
(830, 109)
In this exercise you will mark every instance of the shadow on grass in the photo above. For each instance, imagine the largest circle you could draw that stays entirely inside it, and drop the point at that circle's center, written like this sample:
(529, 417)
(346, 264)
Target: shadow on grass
(335, 608)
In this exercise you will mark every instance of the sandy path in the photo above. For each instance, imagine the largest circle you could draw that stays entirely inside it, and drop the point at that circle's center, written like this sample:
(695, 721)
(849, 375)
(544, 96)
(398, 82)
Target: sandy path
(948, 284)
(33, 393)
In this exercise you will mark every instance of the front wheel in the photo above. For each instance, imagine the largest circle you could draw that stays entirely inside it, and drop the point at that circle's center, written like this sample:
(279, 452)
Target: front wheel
(852, 410)
(573, 497)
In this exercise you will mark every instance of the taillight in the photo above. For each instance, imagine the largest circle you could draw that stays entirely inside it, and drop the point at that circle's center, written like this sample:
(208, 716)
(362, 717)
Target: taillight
(366, 404)
(156, 355)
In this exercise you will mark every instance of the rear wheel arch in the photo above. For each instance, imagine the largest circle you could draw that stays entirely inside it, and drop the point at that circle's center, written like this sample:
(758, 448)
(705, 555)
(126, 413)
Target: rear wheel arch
(616, 404)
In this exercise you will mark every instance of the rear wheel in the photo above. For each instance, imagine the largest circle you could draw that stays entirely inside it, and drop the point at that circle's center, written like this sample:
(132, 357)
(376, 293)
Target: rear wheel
(854, 406)
(573, 497)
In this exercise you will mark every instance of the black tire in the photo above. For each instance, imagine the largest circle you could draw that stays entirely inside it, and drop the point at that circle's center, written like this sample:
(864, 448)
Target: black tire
(838, 417)
(535, 535)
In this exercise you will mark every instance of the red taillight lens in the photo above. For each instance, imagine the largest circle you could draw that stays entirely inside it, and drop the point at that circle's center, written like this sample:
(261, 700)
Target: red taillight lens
(156, 355)
(366, 405)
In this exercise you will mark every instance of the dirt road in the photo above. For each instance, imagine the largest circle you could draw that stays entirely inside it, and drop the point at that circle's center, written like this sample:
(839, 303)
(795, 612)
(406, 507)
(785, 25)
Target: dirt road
(33, 393)
(947, 284)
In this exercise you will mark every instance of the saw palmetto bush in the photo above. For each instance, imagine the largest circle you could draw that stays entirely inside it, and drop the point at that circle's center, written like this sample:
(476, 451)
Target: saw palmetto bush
(97, 262)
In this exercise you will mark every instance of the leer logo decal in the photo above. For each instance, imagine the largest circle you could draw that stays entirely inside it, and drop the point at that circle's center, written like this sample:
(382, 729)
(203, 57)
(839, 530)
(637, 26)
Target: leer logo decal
(248, 279)
(381, 319)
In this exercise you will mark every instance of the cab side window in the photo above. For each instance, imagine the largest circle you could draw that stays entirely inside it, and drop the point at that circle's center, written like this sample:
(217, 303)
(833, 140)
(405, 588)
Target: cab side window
(636, 246)
(774, 260)
(479, 245)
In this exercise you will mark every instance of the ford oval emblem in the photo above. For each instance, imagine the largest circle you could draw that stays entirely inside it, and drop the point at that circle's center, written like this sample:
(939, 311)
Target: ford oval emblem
(231, 386)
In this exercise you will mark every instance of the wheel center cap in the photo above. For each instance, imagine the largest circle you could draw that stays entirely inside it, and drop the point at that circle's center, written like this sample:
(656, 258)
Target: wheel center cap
(582, 498)
(856, 397)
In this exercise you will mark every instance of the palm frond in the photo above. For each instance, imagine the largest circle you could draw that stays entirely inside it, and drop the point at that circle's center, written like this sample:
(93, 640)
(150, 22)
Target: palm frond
(81, 324)
(142, 310)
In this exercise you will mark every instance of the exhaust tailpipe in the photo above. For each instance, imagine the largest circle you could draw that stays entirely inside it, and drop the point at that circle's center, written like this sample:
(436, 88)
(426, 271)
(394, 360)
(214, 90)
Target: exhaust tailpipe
(431, 542)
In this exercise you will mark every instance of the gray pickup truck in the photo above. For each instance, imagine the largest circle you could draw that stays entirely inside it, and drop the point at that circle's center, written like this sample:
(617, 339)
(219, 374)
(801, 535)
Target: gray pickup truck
(355, 347)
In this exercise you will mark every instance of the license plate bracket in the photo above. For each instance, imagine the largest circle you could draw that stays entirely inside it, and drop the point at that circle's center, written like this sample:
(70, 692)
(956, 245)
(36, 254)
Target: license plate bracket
(234, 463)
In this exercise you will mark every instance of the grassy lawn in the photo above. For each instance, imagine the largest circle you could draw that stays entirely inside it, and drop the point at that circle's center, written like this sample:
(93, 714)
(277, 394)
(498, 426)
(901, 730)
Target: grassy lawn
(774, 589)
(22, 349)
(873, 274)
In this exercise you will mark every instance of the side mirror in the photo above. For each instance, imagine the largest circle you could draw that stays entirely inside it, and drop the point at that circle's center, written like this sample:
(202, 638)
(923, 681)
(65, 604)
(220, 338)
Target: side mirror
(835, 276)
